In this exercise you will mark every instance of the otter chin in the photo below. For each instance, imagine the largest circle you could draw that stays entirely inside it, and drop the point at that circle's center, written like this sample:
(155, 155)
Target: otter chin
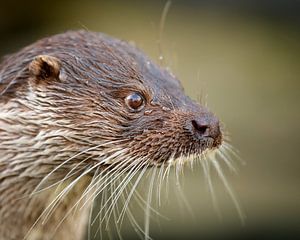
(78, 111)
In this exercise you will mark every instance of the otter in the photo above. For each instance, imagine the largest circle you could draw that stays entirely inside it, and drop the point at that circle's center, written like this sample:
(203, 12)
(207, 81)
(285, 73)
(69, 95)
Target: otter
(76, 109)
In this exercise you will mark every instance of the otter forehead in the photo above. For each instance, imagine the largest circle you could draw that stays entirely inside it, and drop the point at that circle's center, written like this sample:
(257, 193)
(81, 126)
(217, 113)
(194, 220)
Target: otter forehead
(162, 84)
(98, 58)
(106, 60)
(125, 65)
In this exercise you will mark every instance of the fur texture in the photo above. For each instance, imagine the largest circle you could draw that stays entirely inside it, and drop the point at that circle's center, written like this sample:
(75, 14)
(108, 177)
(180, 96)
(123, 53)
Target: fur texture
(63, 117)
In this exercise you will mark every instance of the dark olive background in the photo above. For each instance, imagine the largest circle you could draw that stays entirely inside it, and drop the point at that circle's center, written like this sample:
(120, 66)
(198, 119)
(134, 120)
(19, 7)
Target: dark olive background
(244, 55)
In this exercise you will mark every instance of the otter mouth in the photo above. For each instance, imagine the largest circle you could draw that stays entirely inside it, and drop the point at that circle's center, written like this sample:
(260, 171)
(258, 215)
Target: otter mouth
(196, 150)
(210, 143)
(183, 149)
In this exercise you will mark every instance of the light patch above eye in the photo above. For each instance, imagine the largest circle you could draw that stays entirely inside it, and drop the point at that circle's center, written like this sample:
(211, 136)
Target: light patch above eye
(135, 101)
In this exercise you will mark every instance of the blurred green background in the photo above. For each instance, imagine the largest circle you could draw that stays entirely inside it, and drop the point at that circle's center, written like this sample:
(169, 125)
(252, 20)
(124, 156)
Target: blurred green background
(245, 56)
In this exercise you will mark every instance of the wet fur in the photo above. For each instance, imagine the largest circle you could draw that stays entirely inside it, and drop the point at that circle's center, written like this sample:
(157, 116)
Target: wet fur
(74, 124)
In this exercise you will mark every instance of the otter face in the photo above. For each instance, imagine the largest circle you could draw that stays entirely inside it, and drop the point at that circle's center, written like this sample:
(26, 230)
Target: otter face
(109, 94)
(166, 123)
(83, 104)
(142, 104)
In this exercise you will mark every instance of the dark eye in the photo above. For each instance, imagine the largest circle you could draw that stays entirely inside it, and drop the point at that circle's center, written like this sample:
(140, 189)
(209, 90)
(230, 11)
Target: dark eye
(135, 101)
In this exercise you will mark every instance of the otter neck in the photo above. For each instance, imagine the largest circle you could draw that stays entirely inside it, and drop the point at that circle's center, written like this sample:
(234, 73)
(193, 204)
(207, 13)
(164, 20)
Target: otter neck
(25, 159)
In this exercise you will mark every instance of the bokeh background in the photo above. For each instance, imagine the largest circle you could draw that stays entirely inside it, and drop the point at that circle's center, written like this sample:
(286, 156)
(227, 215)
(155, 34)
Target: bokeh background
(245, 56)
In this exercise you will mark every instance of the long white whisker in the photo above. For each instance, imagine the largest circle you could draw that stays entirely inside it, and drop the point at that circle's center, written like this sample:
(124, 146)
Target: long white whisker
(133, 188)
(83, 195)
(64, 162)
(128, 178)
(131, 169)
(206, 169)
(230, 149)
(147, 211)
(160, 181)
(116, 176)
(227, 160)
(44, 212)
(229, 190)
(52, 206)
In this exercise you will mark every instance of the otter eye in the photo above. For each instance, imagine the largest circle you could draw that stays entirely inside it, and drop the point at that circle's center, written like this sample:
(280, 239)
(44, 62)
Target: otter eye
(135, 101)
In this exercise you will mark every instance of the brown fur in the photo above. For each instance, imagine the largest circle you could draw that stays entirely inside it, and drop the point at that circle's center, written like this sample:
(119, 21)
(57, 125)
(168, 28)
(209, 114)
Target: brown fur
(65, 94)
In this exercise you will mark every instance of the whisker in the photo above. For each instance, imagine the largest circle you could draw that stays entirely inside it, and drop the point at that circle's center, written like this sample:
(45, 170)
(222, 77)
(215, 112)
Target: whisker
(45, 211)
(133, 189)
(160, 179)
(125, 180)
(226, 160)
(83, 195)
(113, 176)
(229, 190)
(64, 162)
(147, 211)
(184, 200)
(128, 177)
(233, 151)
(206, 169)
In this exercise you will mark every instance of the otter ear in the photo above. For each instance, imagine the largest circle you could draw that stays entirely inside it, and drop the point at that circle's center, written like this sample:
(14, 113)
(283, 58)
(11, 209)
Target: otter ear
(45, 67)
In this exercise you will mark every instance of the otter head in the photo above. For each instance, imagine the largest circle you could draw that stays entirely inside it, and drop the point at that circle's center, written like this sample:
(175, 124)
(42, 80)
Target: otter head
(83, 104)
(105, 100)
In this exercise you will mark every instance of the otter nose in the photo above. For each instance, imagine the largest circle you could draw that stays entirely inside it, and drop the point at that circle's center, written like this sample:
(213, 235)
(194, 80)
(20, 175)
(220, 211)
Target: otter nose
(206, 126)
(200, 128)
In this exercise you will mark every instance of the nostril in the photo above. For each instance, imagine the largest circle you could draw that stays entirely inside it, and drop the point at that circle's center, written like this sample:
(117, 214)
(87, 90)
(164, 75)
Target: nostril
(200, 128)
